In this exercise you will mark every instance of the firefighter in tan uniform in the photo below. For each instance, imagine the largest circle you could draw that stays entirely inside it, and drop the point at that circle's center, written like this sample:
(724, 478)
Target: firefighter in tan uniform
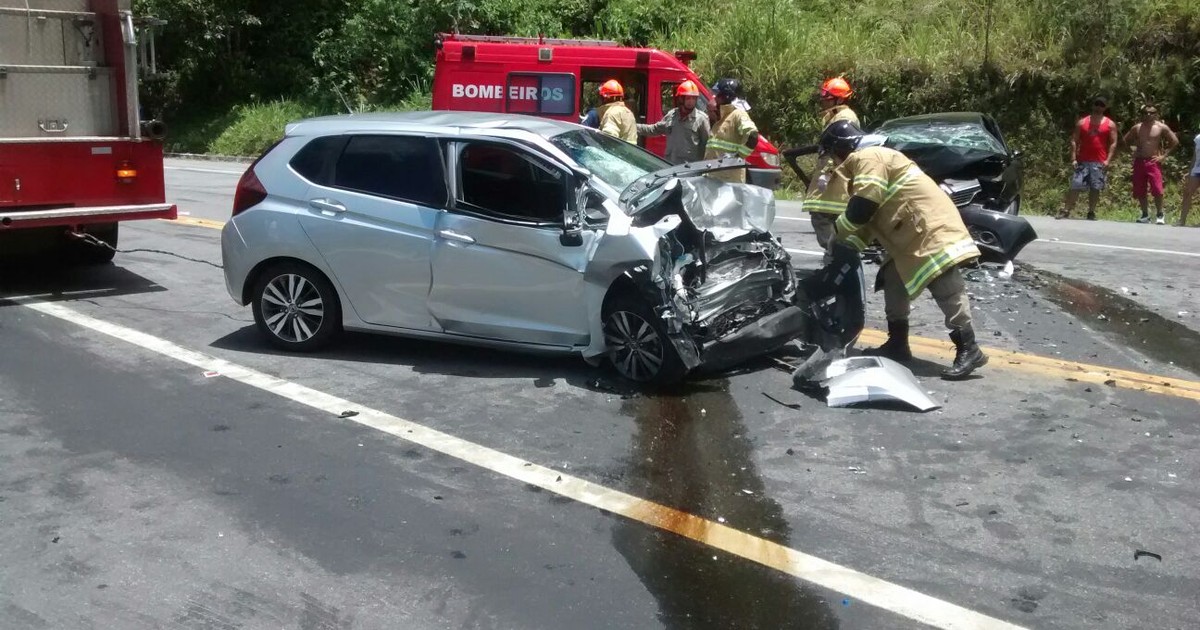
(615, 118)
(824, 208)
(893, 202)
(733, 133)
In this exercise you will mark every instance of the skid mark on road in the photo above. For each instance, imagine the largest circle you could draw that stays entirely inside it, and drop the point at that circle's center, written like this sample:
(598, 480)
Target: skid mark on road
(860, 586)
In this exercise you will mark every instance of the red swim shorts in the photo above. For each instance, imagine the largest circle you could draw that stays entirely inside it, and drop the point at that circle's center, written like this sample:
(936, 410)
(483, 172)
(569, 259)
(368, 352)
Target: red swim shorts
(1146, 174)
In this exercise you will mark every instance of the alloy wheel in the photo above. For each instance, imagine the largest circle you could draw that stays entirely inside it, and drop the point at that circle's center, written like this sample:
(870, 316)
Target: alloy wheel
(637, 349)
(292, 308)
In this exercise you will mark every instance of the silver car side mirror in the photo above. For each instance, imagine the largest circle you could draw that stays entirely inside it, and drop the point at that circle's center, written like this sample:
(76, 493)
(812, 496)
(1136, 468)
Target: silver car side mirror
(572, 232)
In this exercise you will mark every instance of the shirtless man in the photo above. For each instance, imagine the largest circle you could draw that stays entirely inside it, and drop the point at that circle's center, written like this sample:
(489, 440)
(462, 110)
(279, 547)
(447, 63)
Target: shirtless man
(1150, 149)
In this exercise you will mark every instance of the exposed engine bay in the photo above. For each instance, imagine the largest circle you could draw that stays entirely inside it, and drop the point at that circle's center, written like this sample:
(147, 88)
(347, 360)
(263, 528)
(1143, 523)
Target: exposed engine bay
(725, 286)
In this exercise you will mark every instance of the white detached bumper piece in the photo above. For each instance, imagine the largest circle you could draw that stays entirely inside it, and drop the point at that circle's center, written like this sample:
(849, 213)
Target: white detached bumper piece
(857, 380)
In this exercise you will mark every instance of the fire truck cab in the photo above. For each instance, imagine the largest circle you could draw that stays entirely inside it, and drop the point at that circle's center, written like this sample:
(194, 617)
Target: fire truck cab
(560, 78)
(75, 156)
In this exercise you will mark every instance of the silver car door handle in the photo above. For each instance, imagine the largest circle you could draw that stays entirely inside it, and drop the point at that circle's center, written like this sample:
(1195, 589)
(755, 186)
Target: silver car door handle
(451, 235)
(326, 205)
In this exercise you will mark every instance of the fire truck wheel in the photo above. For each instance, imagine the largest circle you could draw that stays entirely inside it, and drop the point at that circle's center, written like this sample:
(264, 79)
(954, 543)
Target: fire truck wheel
(91, 254)
(296, 307)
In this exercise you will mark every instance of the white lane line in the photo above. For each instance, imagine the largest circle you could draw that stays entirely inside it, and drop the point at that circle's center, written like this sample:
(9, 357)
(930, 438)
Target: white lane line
(794, 218)
(1123, 247)
(860, 586)
(201, 170)
(806, 252)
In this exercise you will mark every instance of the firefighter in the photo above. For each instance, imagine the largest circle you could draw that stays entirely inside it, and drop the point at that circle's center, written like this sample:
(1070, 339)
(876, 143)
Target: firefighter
(687, 129)
(615, 118)
(831, 99)
(894, 202)
(733, 133)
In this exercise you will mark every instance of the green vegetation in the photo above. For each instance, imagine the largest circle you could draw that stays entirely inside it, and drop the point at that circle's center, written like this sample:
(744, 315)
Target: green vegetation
(232, 61)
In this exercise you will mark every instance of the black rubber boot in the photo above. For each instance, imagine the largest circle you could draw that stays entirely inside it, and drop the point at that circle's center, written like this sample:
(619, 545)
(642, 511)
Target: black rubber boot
(967, 355)
(896, 347)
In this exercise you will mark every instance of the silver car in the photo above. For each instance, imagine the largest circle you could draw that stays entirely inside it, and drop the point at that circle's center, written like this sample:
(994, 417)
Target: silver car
(507, 231)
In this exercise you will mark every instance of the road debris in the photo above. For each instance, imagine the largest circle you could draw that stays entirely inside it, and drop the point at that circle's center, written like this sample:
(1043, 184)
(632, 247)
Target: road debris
(854, 380)
(1148, 554)
(773, 399)
(348, 414)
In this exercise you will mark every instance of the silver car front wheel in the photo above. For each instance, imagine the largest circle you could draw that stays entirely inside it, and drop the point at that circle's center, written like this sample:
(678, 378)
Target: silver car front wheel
(638, 347)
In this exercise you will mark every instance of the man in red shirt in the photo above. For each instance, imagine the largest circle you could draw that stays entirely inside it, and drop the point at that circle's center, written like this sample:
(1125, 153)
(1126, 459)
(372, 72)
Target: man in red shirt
(1093, 144)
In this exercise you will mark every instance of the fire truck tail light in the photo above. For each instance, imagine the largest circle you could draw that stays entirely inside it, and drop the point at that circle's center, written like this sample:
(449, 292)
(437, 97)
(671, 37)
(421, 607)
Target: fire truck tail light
(250, 192)
(126, 173)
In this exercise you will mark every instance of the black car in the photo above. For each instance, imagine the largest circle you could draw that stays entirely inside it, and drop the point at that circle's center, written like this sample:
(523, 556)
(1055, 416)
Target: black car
(965, 153)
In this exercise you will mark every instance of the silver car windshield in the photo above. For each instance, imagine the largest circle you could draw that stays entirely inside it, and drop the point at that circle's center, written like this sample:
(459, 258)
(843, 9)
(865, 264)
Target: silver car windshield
(616, 162)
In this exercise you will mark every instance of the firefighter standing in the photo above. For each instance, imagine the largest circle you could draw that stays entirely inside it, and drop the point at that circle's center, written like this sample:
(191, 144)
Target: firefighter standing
(686, 128)
(733, 132)
(894, 202)
(615, 118)
(825, 209)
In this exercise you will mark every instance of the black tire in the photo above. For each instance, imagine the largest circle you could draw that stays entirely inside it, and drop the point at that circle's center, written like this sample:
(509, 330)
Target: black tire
(638, 347)
(295, 307)
(84, 253)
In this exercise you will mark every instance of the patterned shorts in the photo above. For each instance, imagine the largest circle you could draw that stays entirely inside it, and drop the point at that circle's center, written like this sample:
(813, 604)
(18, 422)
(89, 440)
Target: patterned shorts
(1089, 176)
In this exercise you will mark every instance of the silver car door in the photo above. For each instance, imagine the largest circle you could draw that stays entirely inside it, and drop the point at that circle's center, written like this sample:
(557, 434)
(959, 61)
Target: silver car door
(372, 218)
(501, 269)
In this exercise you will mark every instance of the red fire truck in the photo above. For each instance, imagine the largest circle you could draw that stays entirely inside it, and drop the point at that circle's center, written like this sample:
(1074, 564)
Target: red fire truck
(75, 156)
(560, 78)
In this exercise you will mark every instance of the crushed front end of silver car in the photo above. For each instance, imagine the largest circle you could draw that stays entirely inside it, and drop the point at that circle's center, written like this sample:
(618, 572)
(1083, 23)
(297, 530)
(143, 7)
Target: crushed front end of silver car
(722, 283)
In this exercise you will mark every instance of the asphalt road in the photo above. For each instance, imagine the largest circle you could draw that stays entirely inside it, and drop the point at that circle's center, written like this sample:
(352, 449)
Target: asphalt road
(142, 488)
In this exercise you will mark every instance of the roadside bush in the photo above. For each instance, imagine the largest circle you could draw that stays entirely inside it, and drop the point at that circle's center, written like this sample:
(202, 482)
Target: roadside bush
(256, 127)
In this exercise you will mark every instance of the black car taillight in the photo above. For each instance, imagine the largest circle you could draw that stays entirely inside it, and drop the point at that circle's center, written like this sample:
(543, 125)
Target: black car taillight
(250, 192)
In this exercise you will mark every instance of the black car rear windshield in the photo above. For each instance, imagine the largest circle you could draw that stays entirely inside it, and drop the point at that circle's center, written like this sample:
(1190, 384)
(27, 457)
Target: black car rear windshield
(616, 162)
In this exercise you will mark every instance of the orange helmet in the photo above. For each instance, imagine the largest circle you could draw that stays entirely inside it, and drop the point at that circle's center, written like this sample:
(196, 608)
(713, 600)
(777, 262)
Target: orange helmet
(836, 87)
(687, 88)
(612, 89)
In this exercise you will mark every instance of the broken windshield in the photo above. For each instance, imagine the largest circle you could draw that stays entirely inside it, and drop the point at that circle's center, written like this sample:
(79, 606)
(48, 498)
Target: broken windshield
(616, 162)
(964, 135)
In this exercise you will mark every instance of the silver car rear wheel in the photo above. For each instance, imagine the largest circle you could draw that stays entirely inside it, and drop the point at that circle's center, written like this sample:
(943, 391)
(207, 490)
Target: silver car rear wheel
(292, 308)
(296, 307)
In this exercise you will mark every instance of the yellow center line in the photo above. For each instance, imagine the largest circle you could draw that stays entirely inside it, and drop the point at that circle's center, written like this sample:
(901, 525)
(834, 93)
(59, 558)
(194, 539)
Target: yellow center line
(193, 221)
(1053, 367)
(1003, 359)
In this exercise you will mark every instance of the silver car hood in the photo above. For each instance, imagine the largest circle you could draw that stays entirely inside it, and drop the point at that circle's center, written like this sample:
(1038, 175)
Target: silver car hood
(648, 185)
(725, 210)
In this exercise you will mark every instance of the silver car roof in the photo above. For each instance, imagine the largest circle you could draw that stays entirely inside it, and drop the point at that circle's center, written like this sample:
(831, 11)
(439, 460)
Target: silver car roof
(429, 122)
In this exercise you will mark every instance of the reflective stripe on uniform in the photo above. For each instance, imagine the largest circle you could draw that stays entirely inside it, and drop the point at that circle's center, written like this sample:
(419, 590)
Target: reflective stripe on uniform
(936, 264)
(822, 205)
(894, 188)
(844, 224)
(716, 144)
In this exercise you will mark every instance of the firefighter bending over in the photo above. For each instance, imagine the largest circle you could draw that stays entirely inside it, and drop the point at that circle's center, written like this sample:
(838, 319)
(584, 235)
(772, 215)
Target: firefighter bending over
(615, 118)
(733, 133)
(894, 202)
